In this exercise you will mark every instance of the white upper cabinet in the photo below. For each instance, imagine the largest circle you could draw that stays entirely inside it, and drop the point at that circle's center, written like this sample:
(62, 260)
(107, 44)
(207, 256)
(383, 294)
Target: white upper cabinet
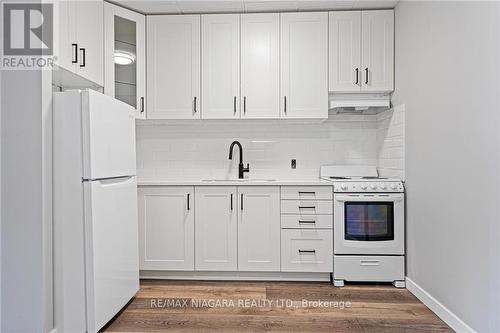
(362, 51)
(220, 63)
(304, 65)
(259, 228)
(79, 48)
(166, 228)
(216, 228)
(65, 44)
(125, 56)
(345, 51)
(260, 65)
(173, 66)
(377, 44)
(90, 35)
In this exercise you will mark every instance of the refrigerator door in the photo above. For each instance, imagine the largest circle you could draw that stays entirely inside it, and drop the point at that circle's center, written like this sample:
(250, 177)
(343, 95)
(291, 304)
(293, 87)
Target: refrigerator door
(111, 247)
(108, 130)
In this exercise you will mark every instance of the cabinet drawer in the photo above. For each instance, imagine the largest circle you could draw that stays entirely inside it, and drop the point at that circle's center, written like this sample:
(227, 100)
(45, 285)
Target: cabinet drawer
(307, 221)
(306, 192)
(369, 268)
(306, 250)
(306, 207)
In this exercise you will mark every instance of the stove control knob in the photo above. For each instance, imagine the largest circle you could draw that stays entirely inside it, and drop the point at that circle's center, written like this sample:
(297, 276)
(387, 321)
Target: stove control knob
(394, 186)
(343, 187)
(363, 186)
(382, 186)
(373, 186)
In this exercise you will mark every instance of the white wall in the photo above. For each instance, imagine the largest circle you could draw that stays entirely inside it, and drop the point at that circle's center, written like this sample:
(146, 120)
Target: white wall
(447, 76)
(22, 227)
(197, 150)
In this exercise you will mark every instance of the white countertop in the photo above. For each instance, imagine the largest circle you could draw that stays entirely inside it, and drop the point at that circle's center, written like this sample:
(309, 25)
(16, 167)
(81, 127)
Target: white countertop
(246, 182)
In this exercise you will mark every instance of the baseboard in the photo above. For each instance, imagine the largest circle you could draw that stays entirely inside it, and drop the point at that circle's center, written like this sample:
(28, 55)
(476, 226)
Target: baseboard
(439, 309)
(235, 276)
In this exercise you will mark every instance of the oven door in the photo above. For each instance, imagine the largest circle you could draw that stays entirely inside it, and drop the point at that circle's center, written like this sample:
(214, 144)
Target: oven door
(369, 223)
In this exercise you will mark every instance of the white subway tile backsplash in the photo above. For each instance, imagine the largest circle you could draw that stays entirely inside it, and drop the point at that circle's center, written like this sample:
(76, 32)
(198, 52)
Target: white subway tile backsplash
(197, 150)
(391, 144)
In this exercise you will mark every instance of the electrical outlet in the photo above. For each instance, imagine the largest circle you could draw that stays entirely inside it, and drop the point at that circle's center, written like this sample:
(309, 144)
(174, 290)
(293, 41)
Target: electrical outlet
(294, 164)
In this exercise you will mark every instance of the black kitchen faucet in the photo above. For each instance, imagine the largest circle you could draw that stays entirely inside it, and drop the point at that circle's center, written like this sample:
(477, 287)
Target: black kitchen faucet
(241, 168)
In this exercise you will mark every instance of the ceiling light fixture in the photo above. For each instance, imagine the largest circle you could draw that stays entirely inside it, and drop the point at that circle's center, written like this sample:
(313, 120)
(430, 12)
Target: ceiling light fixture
(124, 58)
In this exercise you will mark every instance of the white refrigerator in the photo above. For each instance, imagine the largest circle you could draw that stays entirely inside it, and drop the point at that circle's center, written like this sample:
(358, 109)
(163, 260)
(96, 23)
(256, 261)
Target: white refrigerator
(96, 262)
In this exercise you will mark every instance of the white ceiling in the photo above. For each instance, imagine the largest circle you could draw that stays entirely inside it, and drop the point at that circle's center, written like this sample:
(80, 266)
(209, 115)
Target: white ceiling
(244, 6)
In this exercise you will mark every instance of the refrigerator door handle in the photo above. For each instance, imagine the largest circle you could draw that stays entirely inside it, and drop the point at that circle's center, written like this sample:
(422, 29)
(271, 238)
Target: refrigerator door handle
(112, 180)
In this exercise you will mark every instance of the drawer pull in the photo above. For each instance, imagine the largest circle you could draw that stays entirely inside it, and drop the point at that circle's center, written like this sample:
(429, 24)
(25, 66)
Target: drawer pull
(369, 263)
(307, 207)
(306, 222)
(302, 192)
(307, 251)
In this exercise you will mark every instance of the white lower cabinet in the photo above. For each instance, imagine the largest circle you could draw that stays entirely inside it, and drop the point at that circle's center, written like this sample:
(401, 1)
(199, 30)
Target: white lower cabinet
(306, 250)
(259, 228)
(166, 228)
(216, 228)
(232, 228)
(306, 207)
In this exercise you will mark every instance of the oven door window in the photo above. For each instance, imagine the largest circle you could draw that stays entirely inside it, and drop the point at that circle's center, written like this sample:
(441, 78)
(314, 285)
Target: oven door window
(369, 221)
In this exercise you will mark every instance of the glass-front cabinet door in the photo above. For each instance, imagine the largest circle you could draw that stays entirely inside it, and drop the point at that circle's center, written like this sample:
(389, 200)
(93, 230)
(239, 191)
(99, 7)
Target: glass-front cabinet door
(125, 56)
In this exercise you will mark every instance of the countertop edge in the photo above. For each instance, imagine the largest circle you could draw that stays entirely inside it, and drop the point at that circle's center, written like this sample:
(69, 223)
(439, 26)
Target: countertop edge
(318, 182)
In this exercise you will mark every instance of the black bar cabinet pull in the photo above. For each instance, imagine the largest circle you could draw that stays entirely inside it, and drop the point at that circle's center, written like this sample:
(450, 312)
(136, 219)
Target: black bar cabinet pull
(142, 104)
(306, 222)
(74, 59)
(234, 104)
(188, 206)
(357, 76)
(307, 251)
(231, 201)
(302, 192)
(307, 207)
(284, 105)
(83, 57)
(244, 104)
(366, 77)
(241, 203)
(194, 104)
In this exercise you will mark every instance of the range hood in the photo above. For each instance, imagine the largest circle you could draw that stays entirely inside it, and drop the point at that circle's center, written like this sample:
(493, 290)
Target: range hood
(361, 103)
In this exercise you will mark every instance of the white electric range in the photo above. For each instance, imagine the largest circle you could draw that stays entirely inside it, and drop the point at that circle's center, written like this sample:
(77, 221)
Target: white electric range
(369, 225)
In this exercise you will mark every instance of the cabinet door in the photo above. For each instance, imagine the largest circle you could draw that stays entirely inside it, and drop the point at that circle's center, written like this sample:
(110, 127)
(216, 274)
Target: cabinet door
(173, 67)
(216, 228)
(377, 38)
(90, 35)
(220, 64)
(345, 51)
(260, 65)
(304, 65)
(65, 46)
(125, 56)
(259, 228)
(166, 228)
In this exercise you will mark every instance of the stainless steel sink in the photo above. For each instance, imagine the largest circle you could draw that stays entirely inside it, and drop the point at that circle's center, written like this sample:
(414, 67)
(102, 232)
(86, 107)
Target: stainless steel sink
(245, 180)
(261, 180)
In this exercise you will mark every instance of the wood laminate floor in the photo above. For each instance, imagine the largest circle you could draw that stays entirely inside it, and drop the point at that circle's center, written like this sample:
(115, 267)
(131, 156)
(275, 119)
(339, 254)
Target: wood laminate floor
(218, 306)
